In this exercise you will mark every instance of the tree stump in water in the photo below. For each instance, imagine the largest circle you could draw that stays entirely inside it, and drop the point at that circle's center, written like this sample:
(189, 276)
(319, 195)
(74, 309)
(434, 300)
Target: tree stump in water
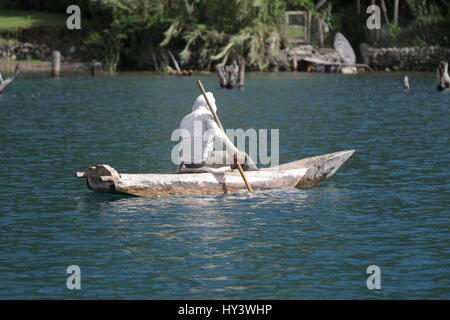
(5, 82)
(443, 79)
(241, 72)
(232, 75)
(96, 68)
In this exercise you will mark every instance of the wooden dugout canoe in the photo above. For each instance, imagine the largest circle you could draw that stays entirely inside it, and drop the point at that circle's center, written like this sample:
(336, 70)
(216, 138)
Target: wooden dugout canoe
(303, 173)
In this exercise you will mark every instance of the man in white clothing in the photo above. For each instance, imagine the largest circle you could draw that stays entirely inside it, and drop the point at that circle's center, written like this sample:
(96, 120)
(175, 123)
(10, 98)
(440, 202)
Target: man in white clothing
(198, 132)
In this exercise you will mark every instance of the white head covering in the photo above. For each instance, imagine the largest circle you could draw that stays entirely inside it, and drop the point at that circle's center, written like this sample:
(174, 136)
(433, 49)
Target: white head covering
(200, 102)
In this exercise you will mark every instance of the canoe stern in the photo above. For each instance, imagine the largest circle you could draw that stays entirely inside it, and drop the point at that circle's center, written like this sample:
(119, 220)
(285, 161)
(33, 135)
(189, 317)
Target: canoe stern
(101, 178)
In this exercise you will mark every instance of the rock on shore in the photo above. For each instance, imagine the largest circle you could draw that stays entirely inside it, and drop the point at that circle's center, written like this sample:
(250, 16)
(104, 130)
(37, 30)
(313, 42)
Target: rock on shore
(404, 59)
(284, 60)
(35, 51)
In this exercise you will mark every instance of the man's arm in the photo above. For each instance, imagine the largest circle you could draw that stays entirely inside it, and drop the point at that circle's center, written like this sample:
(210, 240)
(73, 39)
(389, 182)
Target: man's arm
(219, 134)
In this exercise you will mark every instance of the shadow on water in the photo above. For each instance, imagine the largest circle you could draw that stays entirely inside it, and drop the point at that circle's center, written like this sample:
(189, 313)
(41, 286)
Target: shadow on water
(107, 197)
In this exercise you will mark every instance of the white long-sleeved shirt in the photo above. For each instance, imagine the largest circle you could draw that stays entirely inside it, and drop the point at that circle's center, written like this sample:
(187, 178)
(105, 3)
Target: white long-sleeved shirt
(198, 132)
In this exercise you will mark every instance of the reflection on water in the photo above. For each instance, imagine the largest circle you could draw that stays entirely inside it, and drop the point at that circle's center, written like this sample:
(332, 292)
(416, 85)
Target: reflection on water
(387, 205)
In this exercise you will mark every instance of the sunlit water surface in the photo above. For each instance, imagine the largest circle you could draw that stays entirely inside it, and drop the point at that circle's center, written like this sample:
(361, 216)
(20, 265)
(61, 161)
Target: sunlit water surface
(388, 205)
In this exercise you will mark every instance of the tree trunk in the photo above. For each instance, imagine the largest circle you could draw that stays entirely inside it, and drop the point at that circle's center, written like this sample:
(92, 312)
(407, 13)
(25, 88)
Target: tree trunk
(358, 7)
(372, 32)
(241, 72)
(222, 77)
(320, 3)
(233, 74)
(229, 75)
(319, 21)
(155, 61)
(383, 6)
(396, 12)
(174, 61)
(309, 27)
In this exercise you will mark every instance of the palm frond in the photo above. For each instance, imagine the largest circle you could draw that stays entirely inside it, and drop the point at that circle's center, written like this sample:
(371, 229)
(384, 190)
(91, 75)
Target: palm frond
(172, 32)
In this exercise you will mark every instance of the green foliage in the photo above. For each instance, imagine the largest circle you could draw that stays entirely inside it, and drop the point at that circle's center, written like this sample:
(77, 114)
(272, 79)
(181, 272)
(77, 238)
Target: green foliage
(428, 12)
(394, 30)
(348, 22)
(121, 28)
(430, 27)
(222, 30)
(57, 6)
(329, 16)
(295, 33)
(300, 5)
(106, 47)
(15, 19)
(202, 33)
(420, 23)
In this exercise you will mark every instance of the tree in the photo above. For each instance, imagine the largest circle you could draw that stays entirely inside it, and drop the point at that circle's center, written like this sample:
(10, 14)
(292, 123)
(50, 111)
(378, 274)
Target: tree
(396, 12)
(383, 7)
(228, 29)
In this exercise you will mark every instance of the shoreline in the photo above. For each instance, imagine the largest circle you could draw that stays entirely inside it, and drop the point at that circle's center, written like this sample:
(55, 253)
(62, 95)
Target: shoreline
(38, 66)
(37, 58)
(76, 67)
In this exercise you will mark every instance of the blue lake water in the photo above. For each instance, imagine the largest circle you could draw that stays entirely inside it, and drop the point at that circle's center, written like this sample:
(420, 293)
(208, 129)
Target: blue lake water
(388, 205)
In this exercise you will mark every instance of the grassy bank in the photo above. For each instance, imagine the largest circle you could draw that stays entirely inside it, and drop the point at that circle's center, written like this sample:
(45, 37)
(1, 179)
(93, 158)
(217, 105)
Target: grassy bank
(15, 19)
(7, 67)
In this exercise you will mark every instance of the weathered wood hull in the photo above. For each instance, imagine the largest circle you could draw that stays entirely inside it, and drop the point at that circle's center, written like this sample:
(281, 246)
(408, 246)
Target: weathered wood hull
(303, 173)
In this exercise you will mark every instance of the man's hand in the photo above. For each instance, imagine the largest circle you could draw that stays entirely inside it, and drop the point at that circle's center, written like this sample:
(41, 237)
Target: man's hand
(238, 158)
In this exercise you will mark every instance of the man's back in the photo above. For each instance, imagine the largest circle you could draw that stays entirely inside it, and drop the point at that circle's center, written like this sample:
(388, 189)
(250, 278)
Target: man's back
(194, 126)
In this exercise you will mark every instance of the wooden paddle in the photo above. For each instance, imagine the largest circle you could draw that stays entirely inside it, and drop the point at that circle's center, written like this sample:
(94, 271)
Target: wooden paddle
(220, 126)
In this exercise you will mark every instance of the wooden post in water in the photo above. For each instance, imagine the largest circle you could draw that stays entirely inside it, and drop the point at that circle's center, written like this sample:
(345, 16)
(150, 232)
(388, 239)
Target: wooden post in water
(241, 72)
(96, 68)
(56, 63)
(440, 77)
(5, 82)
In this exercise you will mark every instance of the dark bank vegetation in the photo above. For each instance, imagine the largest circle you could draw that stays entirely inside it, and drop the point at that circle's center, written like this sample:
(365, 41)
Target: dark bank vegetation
(203, 34)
